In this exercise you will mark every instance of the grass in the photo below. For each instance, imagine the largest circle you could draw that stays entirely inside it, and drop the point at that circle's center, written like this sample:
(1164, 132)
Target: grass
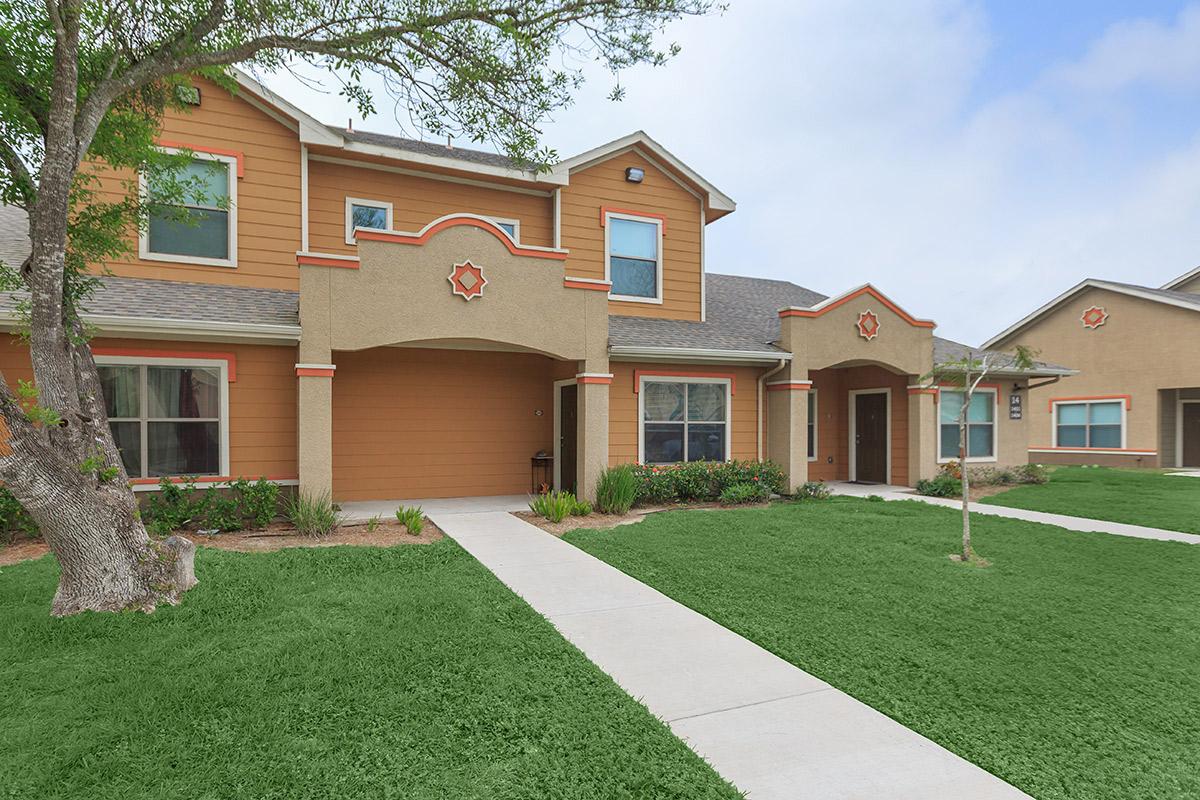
(1069, 667)
(342, 672)
(1137, 497)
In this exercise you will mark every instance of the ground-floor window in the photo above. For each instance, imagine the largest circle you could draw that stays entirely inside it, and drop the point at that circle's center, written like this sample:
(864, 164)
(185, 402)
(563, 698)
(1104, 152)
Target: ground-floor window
(981, 424)
(685, 419)
(1089, 424)
(166, 418)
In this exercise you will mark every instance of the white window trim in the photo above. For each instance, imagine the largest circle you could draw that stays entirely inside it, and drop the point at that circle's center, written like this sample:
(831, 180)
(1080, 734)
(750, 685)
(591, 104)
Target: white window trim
(995, 456)
(516, 226)
(853, 421)
(641, 411)
(1124, 423)
(658, 271)
(812, 404)
(144, 252)
(362, 201)
(219, 364)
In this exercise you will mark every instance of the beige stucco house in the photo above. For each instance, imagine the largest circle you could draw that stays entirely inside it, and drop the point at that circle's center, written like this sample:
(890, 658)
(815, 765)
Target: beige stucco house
(1136, 398)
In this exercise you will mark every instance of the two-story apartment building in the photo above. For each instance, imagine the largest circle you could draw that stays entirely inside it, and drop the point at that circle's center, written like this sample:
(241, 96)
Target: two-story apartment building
(384, 318)
(1135, 401)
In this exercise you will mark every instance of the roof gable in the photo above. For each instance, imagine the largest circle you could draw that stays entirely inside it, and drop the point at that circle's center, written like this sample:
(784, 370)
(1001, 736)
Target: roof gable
(1182, 280)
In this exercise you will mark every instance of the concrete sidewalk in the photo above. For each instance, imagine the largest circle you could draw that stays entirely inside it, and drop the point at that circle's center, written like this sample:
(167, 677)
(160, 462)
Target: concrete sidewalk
(770, 728)
(1061, 520)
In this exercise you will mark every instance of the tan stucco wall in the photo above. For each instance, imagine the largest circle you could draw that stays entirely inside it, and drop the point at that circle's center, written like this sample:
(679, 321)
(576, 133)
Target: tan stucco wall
(832, 339)
(1144, 346)
(1192, 285)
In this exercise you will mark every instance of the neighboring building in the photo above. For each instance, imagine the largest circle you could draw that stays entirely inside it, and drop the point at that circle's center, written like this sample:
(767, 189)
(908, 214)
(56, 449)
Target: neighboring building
(1136, 399)
(387, 319)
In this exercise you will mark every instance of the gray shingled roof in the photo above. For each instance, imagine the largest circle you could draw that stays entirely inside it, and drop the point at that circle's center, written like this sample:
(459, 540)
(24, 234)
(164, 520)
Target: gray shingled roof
(136, 298)
(1172, 295)
(428, 148)
(14, 235)
(946, 350)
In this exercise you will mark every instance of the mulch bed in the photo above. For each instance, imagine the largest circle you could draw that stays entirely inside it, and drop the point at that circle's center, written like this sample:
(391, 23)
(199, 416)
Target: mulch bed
(276, 536)
(597, 521)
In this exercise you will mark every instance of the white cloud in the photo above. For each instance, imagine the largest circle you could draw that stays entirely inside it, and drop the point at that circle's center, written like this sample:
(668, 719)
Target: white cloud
(853, 138)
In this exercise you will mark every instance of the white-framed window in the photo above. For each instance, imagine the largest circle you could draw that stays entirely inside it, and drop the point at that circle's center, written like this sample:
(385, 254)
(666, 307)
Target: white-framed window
(683, 419)
(207, 231)
(1089, 424)
(510, 226)
(363, 213)
(169, 416)
(812, 425)
(981, 425)
(633, 257)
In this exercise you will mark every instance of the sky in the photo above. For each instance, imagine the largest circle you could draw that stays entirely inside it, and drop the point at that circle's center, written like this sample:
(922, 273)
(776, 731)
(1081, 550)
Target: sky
(972, 160)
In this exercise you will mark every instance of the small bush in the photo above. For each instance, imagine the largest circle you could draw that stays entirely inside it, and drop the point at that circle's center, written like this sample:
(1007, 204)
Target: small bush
(582, 508)
(259, 500)
(616, 490)
(313, 515)
(412, 518)
(944, 485)
(553, 505)
(812, 490)
(1031, 473)
(701, 480)
(219, 511)
(15, 522)
(373, 523)
(737, 494)
(172, 507)
(874, 498)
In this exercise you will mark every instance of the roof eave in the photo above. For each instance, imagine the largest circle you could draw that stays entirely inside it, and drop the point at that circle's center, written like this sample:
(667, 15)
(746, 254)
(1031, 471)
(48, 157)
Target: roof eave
(696, 354)
(112, 325)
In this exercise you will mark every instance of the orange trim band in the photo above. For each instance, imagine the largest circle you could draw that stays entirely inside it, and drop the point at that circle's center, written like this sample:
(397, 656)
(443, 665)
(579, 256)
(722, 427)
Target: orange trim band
(638, 374)
(1093, 449)
(404, 238)
(603, 286)
(956, 388)
(204, 479)
(1127, 398)
(789, 386)
(313, 372)
(216, 151)
(869, 290)
(923, 390)
(593, 379)
(230, 359)
(606, 210)
(319, 261)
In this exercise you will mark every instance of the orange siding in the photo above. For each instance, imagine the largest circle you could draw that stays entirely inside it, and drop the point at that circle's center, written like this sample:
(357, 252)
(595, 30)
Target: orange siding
(268, 195)
(833, 421)
(604, 185)
(623, 408)
(438, 423)
(415, 203)
(262, 401)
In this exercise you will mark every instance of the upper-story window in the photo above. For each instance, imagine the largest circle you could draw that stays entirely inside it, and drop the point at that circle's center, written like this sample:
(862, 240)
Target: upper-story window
(1089, 424)
(360, 213)
(202, 228)
(634, 257)
(510, 226)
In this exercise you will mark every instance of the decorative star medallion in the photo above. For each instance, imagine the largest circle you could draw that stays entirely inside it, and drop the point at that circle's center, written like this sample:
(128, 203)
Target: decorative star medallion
(868, 325)
(467, 280)
(1094, 317)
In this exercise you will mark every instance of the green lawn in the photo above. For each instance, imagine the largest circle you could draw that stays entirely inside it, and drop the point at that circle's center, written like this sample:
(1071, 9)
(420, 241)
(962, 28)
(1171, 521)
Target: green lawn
(327, 673)
(1070, 667)
(1138, 497)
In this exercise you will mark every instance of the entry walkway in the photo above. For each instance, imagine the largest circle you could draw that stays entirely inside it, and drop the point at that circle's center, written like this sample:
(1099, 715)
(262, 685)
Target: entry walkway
(770, 728)
(1061, 520)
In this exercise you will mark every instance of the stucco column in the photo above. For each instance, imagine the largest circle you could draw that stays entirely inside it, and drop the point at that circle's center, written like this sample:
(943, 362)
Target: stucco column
(787, 428)
(314, 374)
(591, 455)
(922, 432)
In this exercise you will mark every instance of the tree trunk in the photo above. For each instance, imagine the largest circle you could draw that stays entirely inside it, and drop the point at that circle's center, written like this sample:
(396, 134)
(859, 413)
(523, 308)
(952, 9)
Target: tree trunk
(966, 479)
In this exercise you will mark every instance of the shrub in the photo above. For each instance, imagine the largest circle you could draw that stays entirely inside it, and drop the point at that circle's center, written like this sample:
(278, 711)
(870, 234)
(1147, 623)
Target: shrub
(581, 509)
(259, 500)
(15, 521)
(412, 518)
(221, 506)
(553, 505)
(1031, 473)
(951, 468)
(812, 490)
(655, 485)
(737, 494)
(702, 480)
(172, 507)
(616, 490)
(313, 515)
(944, 485)
(219, 511)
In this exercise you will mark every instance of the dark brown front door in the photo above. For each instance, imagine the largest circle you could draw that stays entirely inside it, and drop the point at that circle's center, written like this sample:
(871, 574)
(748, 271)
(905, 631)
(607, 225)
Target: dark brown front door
(1191, 435)
(870, 438)
(568, 411)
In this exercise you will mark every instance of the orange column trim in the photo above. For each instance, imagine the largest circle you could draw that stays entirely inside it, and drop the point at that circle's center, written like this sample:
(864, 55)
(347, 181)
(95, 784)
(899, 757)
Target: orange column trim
(138, 352)
(665, 373)
(314, 372)
(216, 151)
(312, 260)
(789, 386)
(584, 283)
(1127, 398)
(593, 377)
